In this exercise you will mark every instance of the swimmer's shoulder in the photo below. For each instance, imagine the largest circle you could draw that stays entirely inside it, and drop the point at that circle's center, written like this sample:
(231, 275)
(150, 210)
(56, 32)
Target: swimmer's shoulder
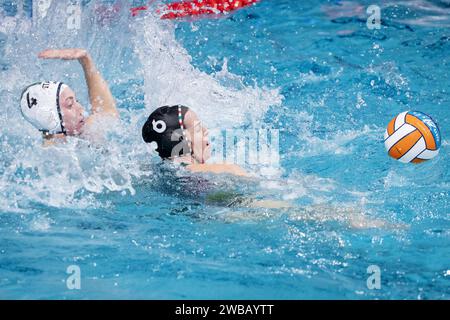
(99, 117)
(98, 124)
(218, 169)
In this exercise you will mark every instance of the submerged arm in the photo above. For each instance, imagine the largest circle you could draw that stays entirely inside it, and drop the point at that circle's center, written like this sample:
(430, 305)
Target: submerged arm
(218, 169)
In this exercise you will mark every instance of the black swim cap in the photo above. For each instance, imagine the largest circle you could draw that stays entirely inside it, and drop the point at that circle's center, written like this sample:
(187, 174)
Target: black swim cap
(165, 126)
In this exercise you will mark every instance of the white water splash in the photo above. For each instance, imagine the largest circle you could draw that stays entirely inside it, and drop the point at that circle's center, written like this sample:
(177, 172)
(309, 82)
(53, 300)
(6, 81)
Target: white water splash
(221, 99)
(77, 173)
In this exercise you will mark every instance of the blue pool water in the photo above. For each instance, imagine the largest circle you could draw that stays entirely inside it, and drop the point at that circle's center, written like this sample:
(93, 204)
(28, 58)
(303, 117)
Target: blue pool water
(312, 70)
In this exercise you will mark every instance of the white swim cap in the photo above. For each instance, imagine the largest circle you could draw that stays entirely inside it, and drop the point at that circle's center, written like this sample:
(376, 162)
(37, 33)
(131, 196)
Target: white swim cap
(40, 106)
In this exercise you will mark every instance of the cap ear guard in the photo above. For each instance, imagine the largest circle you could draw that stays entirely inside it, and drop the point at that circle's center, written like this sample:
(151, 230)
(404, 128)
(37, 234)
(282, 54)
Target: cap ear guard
(40, 106)
(165, 127)
(159, 126)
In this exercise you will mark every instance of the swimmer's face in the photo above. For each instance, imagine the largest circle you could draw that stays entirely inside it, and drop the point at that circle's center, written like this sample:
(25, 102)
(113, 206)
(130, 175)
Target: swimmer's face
(198, 134)
(72, 112)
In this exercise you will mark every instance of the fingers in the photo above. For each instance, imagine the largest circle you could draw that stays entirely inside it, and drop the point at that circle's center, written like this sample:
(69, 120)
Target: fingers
(66, 54)
(54, 54)
(45, 54)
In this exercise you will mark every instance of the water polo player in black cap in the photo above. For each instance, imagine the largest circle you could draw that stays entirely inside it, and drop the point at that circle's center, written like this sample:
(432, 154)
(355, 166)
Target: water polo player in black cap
(181, 137)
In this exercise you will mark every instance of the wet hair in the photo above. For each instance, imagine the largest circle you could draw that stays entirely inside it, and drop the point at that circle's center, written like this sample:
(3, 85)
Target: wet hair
(165, 127)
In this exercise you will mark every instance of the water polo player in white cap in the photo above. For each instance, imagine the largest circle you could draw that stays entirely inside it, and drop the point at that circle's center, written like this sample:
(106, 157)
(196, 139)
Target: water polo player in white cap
(52, 107)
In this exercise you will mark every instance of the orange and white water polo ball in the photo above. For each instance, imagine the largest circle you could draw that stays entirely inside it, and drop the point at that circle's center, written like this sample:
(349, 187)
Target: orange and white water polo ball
(412, 136)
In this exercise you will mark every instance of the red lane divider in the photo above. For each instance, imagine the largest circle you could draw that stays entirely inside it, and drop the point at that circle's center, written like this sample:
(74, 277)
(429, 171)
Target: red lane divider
(135, 11)
(196, 8)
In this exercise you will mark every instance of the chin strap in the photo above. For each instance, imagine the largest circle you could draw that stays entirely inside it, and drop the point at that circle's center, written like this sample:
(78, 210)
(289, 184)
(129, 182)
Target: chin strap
(185, 137)
(58, 107)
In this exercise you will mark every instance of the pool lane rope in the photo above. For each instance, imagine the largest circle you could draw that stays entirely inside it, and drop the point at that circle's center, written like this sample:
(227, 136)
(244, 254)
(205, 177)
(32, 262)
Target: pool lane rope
(192, 8)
